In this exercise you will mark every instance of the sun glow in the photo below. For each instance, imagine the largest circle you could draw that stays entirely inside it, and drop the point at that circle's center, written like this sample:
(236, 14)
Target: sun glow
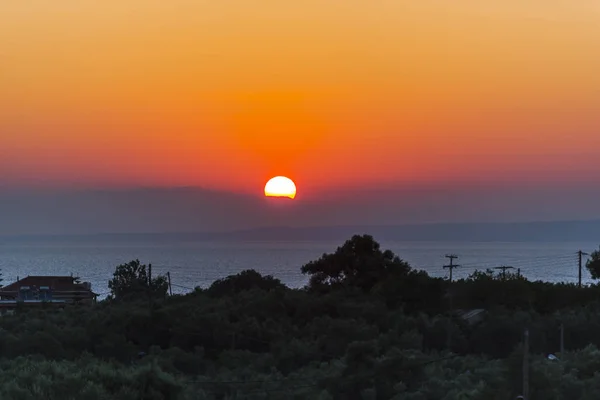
(280, 186)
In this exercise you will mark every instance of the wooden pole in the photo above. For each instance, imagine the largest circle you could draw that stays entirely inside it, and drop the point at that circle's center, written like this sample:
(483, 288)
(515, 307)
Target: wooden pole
(562, 340)
(504, 268)
(169, 279)
(451, 266)
(581, 254)
(526, 365)
(150, 287)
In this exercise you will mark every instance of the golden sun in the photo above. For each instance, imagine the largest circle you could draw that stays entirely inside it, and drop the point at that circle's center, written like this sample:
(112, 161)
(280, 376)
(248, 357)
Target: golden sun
(280, 186)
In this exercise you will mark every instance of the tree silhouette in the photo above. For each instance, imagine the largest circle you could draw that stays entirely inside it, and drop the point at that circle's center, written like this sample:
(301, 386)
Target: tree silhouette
(360, 263)
(593, 264)
(245, 280)
(131, 280)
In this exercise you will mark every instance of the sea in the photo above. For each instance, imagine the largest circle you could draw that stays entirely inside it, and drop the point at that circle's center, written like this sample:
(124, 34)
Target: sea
(198, 264)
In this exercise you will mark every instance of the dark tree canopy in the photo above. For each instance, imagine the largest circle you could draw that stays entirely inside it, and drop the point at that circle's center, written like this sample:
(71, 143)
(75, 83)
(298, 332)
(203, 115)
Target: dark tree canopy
(359, 262)
(245, 280)
(131, 281)
(593, 264)
(390, 333)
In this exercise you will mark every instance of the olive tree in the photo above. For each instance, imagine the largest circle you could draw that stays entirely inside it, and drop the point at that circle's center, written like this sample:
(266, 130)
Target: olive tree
(132, 281)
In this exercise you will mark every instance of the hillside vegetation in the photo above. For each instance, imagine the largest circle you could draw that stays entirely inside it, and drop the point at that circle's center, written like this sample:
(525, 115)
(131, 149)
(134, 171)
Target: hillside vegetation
(367, 326)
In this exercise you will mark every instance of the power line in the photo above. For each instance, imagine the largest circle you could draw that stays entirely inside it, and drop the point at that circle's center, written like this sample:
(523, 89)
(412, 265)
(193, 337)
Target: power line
(534, 261)
(518, 258)
(182, 287)
(292, 279)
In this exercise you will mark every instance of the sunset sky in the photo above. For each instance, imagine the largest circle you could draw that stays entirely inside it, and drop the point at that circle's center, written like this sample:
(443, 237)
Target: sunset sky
(339, 94)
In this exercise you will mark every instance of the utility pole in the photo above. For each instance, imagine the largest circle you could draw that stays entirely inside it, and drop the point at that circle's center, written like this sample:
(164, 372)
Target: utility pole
(503, 268)
(580, 254)
(518, 272)
(150, 287)
(169, 279)
(526, 365)
(451, 266)
(562, 340)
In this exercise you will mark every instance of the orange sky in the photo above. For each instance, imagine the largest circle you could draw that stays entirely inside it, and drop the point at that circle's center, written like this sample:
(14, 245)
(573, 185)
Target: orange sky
(226, 93)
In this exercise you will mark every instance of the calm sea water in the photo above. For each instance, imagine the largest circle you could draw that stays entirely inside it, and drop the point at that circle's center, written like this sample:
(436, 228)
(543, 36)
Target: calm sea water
(199, 264)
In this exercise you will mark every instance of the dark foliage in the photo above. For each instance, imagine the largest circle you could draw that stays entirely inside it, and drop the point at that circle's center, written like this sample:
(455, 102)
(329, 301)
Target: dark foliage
(360, 263)
(245, 280)
(367, 327)
(593, 264)
(132, 281)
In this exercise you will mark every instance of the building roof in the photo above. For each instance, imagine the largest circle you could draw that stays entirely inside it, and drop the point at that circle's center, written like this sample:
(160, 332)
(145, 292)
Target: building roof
(56, 283)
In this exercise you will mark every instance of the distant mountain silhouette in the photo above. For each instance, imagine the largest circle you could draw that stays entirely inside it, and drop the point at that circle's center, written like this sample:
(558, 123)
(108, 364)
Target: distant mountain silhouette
(470, 232)
(389, 213)
(557, 231)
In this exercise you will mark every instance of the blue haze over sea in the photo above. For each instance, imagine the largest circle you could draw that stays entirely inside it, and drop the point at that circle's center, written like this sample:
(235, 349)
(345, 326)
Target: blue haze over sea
(199, 263)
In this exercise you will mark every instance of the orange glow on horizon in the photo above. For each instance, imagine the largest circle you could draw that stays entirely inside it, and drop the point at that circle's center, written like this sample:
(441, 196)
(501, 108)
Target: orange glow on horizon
(225, 94)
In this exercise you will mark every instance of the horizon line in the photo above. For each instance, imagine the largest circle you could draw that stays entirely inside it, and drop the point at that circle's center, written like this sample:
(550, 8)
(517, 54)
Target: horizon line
(299, 228)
